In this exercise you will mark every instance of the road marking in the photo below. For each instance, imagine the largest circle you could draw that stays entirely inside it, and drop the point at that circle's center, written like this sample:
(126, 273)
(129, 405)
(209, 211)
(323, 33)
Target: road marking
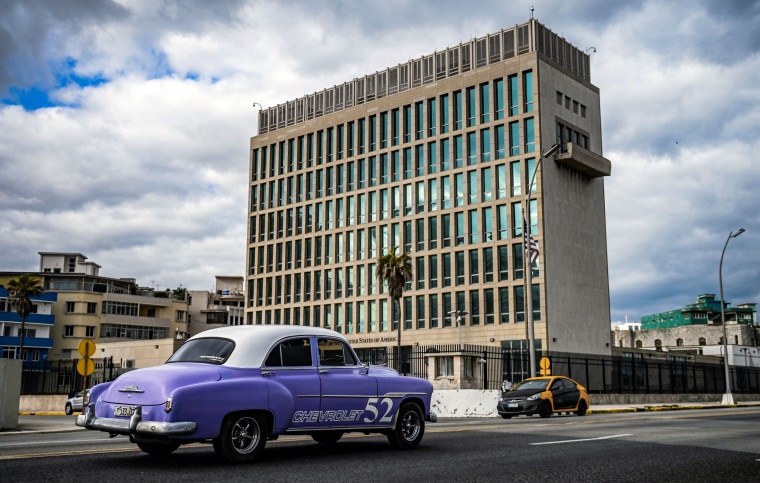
(581, 440)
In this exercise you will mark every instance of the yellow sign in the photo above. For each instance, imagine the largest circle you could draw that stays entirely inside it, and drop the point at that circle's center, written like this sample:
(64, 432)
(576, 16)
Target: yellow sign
(545, 365)
(85, 366)
(87, 348)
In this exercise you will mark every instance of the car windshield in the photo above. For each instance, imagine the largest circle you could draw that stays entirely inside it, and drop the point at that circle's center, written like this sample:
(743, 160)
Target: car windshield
(539, 384)
(209, 351)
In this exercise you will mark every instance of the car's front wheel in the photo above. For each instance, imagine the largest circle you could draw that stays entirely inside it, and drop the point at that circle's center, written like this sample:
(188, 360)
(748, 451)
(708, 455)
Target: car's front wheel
(157, 449)
(327, 437)
(581, 408)
(242, 438)
(69, 410)
(506, 416)
(545, 409)
(410, 426)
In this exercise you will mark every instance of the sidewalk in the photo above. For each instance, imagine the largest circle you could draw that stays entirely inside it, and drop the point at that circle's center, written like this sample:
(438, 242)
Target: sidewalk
(55, 422)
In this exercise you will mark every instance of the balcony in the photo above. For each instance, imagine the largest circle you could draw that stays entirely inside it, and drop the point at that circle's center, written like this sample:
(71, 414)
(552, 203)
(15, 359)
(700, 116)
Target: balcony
(584, 161)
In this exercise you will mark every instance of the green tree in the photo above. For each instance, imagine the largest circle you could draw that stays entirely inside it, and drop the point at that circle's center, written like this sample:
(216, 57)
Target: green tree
(394, 271)
(21, 290)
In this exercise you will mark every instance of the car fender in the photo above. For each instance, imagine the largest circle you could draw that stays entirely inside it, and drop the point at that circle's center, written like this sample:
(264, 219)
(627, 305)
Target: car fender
(191, 403)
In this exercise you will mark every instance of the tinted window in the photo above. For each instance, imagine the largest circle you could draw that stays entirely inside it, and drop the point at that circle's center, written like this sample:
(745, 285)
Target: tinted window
(209, 351)
(290, 353)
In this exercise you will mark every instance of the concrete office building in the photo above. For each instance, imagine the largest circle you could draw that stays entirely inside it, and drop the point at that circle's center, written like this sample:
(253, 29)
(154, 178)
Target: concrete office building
(434, 157)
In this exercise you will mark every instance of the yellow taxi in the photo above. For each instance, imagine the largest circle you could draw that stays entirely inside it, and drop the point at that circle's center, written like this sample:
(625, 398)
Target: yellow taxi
(544, 396)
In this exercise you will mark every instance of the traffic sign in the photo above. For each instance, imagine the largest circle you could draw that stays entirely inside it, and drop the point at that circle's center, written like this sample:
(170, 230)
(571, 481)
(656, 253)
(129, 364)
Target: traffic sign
(85, 366)
(87, 348)
(545, 365)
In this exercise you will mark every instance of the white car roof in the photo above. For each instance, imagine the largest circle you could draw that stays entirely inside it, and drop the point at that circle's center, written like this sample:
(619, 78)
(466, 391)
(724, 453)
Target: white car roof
(252, 342)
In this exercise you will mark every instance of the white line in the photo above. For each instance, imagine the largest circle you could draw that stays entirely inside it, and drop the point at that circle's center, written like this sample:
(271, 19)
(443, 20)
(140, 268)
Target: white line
(581, 440)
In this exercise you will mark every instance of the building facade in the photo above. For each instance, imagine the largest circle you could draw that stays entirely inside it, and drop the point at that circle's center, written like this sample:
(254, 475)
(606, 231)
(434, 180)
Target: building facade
(225, 305)
(110, 311)
(441, 158)
(38, 340)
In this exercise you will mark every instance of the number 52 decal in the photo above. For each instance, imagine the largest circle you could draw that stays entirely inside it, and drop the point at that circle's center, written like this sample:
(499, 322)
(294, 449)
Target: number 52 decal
(375, 407)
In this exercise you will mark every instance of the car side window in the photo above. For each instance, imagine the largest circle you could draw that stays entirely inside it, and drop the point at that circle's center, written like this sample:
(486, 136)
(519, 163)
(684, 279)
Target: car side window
(335, 353)
(290, 353)
(556, 385)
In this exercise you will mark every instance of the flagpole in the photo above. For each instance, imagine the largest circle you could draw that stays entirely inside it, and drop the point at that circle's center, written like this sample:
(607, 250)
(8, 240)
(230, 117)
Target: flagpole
(528, 265)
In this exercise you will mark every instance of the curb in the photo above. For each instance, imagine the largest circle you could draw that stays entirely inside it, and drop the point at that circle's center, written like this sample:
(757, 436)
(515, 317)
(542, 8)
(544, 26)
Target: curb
(669, 407)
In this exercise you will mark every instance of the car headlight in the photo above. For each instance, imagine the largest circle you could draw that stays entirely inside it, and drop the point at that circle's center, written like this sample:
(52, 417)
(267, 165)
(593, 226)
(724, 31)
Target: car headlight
(534, 397)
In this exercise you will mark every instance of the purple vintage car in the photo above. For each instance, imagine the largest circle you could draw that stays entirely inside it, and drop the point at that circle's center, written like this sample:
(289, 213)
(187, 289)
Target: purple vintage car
(237, 387)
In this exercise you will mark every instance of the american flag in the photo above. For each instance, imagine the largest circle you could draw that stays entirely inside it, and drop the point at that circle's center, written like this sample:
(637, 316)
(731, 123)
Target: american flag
(531, 247)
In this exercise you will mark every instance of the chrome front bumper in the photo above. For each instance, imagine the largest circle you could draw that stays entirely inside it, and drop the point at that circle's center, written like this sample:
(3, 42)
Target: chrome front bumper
(133, 425)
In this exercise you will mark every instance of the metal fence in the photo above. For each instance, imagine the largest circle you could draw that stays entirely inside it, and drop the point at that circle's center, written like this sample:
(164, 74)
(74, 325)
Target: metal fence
(482, 367)
(62, 377)
(486, 367)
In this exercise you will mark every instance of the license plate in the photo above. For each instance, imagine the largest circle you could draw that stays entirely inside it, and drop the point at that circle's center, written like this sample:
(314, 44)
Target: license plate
(512, 405)
(126, 411)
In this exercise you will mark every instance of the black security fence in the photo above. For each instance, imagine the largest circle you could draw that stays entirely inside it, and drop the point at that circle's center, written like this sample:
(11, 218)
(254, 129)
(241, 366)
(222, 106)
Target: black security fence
(62, 376)
(487, 367)
(467, 366)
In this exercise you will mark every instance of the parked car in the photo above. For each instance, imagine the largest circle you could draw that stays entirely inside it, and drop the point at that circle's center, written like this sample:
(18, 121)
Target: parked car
(237, 387)
(74, 403)
(544, 396)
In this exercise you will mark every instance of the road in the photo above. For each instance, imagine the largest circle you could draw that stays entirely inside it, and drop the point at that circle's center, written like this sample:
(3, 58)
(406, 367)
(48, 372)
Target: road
(715, 445)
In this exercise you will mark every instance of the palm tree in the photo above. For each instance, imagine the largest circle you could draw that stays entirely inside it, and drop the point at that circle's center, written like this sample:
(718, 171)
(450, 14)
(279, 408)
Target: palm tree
(21, 290)
(395, 270)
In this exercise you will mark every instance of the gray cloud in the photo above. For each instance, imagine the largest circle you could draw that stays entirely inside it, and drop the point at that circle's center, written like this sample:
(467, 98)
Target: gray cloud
(146, 172)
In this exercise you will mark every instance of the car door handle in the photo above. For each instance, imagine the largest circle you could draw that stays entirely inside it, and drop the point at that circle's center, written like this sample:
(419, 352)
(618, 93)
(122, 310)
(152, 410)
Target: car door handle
(324, 371)
(267, 373)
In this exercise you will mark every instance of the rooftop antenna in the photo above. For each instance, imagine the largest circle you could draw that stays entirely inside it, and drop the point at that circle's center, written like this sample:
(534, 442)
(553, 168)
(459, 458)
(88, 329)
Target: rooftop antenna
(531, 12)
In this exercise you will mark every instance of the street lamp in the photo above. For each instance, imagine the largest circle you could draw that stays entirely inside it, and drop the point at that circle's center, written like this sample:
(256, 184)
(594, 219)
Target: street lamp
(728, 398)
(528, 270)
(460, 319)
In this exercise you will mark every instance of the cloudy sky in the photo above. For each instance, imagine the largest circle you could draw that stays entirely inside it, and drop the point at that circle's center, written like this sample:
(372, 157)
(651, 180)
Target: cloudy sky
(124, 125)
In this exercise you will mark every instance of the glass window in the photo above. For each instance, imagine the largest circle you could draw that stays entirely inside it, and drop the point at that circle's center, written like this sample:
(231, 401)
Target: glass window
(433, 310)
(446, 267)
(485, 145)
(498, 86)
(474, 273)
(433, 271)
(446, 230)
(504, 305)
(474, 307)
(530, 136)
(471, 106)
(457, 110)
(432, 158)
(503, 263)
(513, 100)
(433, 232)
(514, 138)
(433, 193)
(444, 113)
(528, 90)
(485, 100)
(472, 148)
(488, 265)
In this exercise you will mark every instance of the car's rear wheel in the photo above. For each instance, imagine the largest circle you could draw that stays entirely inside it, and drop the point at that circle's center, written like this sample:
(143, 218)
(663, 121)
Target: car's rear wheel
(410, 426)
(327, 437)
(242, 438)
(545, 409)
(581, 408)
(159, 449)
(69, 410)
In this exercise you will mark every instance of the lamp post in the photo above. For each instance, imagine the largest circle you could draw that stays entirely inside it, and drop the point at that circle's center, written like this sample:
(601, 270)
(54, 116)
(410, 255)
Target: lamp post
(728, 398)
(460, 319)
(528, 270)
